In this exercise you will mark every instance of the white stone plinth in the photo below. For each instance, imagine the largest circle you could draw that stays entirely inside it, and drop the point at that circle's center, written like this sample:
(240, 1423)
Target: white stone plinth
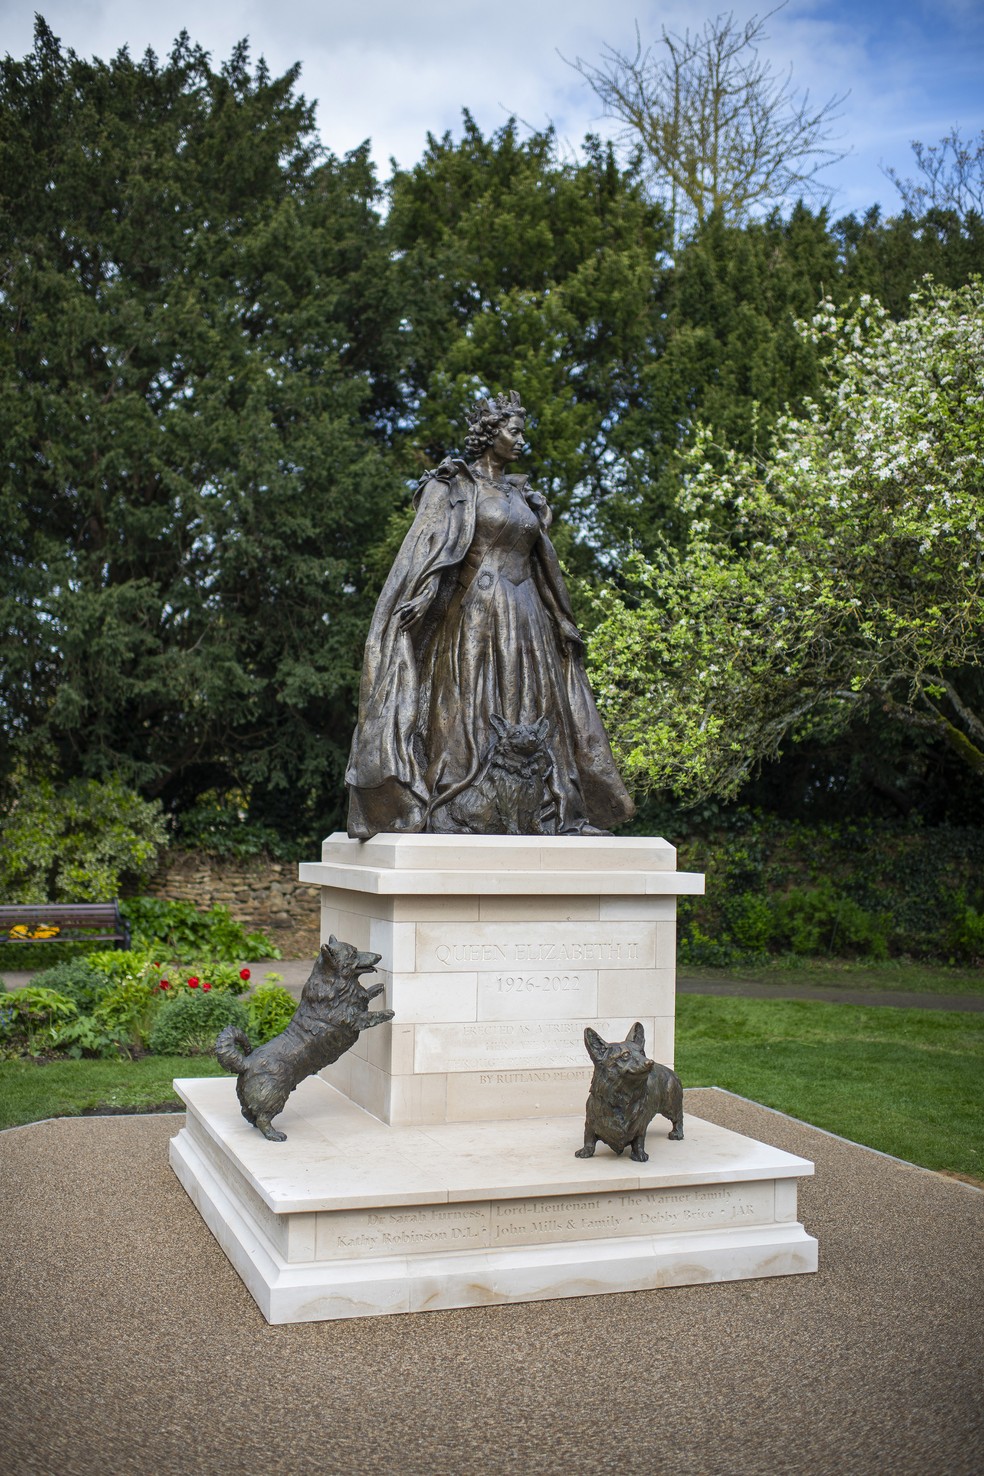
(496, 952)
(351, 1217)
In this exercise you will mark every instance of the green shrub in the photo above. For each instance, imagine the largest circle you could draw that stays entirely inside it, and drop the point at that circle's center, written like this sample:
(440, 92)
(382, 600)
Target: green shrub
(965, 931)
(218, 824)
(814, 920)
(16, 956)
(83, 1037)
(116, 964)
(751, 920)
(126, 1013)
(853, 888)
(30, 1019)
(189, 1024)
(696, 949)
(77, 842)
(182, 932)
(78, 979)
(269, 1010)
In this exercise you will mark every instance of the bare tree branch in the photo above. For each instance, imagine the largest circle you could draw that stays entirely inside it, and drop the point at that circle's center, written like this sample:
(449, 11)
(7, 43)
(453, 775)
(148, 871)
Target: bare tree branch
(952, 176)
(719, 129)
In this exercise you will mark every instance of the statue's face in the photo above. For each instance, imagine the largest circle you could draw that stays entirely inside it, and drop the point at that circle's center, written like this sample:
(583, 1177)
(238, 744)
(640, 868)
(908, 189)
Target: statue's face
(510, 438)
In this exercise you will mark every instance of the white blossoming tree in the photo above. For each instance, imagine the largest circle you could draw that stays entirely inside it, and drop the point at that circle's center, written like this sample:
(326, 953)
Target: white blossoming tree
(844, 572)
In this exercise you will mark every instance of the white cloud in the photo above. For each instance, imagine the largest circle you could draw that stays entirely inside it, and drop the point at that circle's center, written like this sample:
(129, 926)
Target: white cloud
(392, 72)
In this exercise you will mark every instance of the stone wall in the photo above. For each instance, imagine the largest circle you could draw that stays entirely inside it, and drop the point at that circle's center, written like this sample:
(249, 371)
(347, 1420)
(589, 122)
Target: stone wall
(259, 893)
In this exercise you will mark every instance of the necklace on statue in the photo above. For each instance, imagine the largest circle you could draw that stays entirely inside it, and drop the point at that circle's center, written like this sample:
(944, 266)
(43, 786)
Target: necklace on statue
(499, 483)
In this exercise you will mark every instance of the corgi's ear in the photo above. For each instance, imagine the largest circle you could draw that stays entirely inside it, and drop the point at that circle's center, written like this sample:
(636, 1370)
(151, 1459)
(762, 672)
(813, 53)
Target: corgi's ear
(332, 942)
(542, 729)
(497, 724)
(638, 1036)
(595, 1046)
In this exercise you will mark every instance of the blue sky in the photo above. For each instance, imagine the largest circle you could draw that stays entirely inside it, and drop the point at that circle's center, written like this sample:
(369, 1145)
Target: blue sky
(390, 70)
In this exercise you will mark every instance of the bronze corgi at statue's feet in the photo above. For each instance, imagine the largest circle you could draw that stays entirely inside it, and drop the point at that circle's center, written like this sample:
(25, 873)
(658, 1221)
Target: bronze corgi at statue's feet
(332, 1012)
(627, 1091)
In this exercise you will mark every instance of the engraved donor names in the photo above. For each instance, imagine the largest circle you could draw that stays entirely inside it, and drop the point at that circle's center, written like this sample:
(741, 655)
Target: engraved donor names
(423, 1229)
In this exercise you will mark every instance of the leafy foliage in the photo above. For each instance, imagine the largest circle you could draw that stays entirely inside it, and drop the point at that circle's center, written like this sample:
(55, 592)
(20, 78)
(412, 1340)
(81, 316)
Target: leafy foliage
(30, 1018)
(851, 889)
(270, 1009)
(844, 573)
(190, 471)
(126, 1012)
(183, 932)
(520, 270)
(188, 1026)
(219, 826)
(78, 842)
(78, 980)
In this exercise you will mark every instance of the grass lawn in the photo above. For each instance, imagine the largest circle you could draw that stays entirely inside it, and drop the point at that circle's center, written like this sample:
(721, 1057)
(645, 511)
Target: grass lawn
(69, 1088)
(908, 1082)
(907, 975)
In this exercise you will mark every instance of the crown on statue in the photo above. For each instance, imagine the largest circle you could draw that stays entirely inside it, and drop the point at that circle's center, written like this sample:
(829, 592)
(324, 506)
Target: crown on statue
(498, 408)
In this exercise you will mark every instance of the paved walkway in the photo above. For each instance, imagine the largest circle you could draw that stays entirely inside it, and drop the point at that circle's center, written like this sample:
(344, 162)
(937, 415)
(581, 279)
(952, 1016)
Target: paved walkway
(837, 994)
(132, 1347)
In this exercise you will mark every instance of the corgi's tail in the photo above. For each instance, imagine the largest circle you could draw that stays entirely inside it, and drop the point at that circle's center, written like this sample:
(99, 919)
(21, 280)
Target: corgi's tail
(231, 1049)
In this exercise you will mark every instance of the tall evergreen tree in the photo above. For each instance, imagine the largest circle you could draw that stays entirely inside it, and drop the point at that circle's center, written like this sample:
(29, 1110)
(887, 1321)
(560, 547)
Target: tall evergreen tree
(192, 316)
(731, 358)
(520, 269)
(888, 257)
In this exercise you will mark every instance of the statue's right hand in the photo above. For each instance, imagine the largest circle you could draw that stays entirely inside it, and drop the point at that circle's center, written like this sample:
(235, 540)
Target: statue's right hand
(411, 612)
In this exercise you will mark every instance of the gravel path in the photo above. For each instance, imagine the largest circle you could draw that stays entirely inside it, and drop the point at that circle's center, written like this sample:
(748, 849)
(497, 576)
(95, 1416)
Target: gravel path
(132, 1347)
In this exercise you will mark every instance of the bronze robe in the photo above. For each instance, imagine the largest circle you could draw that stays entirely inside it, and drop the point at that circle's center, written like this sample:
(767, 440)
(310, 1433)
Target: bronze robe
(399, 738)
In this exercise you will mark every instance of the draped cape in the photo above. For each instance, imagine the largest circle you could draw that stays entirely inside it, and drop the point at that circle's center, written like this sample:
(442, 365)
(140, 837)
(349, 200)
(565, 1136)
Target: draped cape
(391, 748)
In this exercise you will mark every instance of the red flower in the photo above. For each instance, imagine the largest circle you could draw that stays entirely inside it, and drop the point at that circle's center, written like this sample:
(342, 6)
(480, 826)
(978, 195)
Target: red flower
(244, 973)
(193, 982)
(206, 986)
(163, 984)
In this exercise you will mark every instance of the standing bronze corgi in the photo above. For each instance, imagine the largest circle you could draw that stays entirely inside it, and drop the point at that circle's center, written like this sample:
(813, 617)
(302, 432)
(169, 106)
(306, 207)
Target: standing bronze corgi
(627, 1091)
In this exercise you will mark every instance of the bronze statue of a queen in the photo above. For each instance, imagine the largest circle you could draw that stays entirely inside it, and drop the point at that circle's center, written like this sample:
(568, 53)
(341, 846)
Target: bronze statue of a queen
(475, 713)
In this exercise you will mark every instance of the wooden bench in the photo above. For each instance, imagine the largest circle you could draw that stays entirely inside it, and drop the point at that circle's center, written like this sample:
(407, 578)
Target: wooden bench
(63, 922)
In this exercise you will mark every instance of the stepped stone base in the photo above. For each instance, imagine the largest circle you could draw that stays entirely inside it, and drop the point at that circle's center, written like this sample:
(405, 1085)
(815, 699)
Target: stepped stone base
(353, 1217)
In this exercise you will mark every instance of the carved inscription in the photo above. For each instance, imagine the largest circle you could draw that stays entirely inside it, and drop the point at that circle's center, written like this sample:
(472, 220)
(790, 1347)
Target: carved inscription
(422, 1229)
(520, 984)
(556, 948)
(490, 1045)
(361, 1233)
(536, 995)
(522, 1078)
(595, 1216)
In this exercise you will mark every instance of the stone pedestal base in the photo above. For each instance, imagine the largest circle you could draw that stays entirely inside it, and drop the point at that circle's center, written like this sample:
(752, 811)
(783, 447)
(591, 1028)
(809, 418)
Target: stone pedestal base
(352, 1217)
(496, 952)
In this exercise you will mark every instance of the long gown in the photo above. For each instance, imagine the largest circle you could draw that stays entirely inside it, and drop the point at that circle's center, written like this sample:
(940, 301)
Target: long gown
(494, 636)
